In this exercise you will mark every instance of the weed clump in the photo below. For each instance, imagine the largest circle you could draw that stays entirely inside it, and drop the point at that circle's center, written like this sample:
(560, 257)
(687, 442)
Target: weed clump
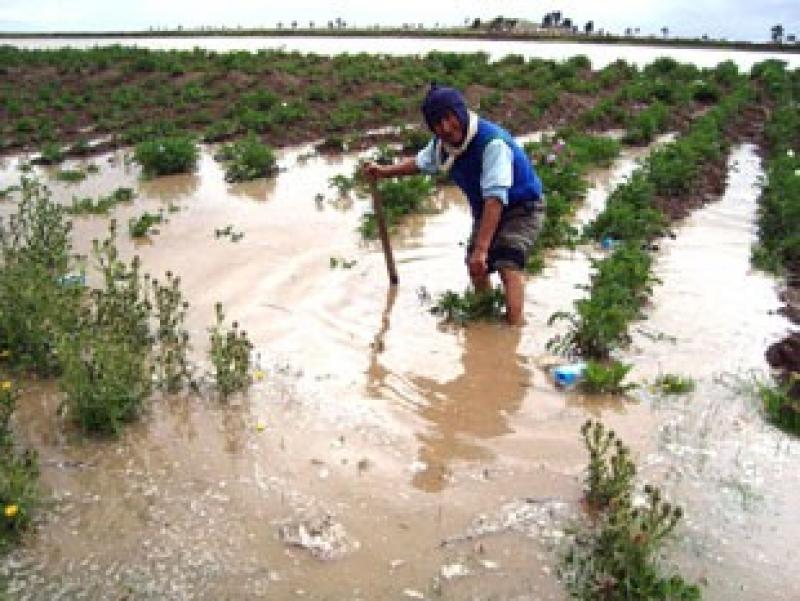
(401, 197)
(230, 355)
(615, 558)
(140, 226)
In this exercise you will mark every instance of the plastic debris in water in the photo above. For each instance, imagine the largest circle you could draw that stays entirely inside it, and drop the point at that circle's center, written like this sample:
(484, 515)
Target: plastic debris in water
(72, 280)
(607, 243)
(567, 375)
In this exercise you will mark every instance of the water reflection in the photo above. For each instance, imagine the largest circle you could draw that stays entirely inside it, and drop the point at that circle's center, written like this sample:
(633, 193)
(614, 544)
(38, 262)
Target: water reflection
(170, 187)
(260, 190)
(462, 411)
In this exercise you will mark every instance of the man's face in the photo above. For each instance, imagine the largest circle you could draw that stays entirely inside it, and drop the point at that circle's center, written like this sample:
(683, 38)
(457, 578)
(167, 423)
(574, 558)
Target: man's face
(449, 129)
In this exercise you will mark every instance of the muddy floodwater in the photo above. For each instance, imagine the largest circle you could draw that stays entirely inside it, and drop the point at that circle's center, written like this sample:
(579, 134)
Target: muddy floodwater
(383, 455)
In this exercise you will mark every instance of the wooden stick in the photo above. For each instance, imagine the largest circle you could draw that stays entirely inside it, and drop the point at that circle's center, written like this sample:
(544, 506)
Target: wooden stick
(377, 207)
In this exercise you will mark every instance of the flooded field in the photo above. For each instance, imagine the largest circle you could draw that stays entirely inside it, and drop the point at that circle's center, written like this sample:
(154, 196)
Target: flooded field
(383, 455)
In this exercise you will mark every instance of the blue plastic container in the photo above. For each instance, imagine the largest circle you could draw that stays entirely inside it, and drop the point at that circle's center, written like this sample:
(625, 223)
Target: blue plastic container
(568, 375)
(608, 243)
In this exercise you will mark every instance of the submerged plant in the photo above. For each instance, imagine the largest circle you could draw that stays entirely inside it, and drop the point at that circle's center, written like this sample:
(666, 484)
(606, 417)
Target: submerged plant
(674, 384)
(605, 377)
(140, 226)
(611, 470)
(470, 306)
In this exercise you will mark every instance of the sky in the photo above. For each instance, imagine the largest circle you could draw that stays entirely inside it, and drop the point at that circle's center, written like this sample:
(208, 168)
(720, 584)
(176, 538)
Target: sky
(728, 19)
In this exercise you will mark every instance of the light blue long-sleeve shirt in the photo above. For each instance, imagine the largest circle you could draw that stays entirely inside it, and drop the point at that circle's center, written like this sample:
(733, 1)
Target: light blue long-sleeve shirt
(497, 172)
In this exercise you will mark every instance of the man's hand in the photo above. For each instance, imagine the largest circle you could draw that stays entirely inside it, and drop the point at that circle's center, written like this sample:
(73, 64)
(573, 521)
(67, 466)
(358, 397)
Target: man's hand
(478, 263)
(373, 171)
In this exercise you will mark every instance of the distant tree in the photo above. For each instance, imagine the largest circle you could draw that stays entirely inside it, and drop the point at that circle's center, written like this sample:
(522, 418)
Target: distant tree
(280, 25)
(547, 21)
(665, 31)
(567, 23)
(330, 24)
(311, 24)
(791, 38)
(557, 18)
(294, 24)
(589, 27)
(777, 33)
(636, 31)
(628, 31)
(476, 24)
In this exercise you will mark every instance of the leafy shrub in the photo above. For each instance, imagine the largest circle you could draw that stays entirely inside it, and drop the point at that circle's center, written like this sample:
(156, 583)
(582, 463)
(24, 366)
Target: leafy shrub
(247, 159)
(36, 252)
(164, 156)
(643, 126)
(470, 306)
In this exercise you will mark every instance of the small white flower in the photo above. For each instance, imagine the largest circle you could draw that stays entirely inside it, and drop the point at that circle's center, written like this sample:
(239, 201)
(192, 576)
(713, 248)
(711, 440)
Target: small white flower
(790, 153)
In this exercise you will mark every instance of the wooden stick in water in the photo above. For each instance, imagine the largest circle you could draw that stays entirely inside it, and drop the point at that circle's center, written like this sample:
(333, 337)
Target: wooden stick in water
(383, 231)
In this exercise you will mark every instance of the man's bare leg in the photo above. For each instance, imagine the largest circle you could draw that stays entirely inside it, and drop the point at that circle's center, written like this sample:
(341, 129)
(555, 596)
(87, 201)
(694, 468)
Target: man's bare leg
(514, 287)
(480, 282)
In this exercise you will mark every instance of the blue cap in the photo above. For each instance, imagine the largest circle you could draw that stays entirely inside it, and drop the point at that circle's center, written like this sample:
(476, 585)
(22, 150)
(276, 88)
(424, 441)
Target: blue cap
(441, 99)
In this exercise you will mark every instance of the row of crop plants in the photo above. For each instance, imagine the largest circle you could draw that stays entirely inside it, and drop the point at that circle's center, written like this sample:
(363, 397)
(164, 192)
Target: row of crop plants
(638, 212)
(61, 99)
(778, 247)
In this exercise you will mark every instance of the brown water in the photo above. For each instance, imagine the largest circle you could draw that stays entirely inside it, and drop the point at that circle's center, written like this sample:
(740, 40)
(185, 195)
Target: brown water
(446, 462)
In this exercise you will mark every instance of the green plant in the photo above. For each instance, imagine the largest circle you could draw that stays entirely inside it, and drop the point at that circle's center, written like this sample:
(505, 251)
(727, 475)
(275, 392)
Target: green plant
(611, 470)
(140, 226)
(619, 287)
(674, 384)
(35, 253)
(247, 159)
(101, 206)
(401, 197)
(470, 306)
(164, 156)
(18, 474)
(781, 408)
(70, 175)
(171, 341)
(615, 558)
(605, 377)
(230, 355)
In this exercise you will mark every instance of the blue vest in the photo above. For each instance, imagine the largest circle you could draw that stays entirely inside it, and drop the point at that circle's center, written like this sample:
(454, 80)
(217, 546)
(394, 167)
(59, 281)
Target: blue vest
(466, 170)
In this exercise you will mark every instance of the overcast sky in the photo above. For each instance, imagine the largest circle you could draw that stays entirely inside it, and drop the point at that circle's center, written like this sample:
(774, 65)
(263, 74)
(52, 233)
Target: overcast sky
(730, 19)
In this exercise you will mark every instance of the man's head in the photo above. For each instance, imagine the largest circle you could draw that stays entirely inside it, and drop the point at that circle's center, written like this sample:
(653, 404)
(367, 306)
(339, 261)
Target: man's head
(446, 113)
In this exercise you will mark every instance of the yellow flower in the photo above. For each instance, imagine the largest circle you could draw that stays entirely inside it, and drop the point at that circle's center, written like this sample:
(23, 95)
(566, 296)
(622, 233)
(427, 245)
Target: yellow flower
(258, 375)
(260, 426)
(5, 385)
(10, 511)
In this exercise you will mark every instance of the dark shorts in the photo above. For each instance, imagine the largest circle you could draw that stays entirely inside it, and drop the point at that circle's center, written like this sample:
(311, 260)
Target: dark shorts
(518, 229)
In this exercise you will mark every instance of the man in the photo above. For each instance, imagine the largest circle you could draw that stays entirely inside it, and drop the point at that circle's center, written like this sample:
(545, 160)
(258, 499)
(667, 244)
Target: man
(504, 192)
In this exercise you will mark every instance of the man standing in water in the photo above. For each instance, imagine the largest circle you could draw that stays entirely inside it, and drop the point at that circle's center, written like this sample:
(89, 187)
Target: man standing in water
(495, 174)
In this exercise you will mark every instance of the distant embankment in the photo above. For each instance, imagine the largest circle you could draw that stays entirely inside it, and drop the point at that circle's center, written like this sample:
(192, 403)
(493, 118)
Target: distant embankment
(467, 34)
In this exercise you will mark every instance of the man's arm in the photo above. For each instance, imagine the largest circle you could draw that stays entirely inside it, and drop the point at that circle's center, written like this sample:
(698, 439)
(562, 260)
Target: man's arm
(407, 166)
